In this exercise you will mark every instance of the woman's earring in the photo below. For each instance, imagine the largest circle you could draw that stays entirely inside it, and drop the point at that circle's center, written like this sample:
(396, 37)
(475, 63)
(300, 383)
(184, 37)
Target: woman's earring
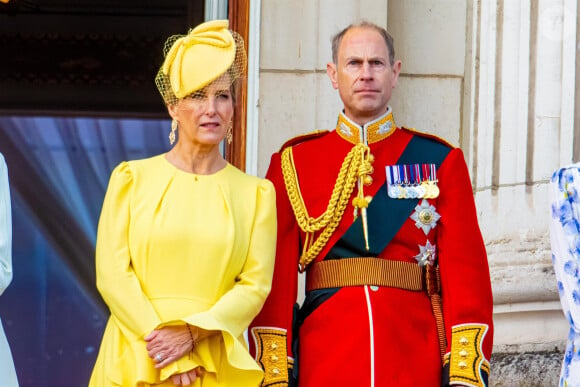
(229, 134)
(172, 133)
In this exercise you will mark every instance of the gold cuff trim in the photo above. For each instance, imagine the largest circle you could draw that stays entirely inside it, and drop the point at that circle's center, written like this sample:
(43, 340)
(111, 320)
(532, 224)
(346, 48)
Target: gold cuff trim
(271, 355)
(466, 359)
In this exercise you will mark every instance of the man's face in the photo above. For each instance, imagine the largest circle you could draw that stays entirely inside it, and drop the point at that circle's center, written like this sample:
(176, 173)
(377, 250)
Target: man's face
(363, 74)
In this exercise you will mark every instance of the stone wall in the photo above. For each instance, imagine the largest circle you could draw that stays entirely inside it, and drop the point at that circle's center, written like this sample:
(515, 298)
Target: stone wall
(526, 369)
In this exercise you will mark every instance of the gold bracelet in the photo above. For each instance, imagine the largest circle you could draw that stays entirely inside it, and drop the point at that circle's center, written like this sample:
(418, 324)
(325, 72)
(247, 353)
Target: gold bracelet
(193, 342)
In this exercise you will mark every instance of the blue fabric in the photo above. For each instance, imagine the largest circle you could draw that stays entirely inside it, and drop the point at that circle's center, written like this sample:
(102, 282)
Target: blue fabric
(565, 242)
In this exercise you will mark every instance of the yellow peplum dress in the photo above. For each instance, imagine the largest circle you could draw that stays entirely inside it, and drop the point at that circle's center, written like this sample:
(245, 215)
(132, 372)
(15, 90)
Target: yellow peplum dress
(174, 248)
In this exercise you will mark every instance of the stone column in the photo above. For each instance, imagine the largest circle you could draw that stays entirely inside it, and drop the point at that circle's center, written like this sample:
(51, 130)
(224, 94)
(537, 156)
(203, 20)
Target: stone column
(518, 117)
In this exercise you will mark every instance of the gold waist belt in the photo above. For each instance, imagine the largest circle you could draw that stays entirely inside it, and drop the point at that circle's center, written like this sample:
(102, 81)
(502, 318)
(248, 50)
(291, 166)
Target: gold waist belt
(337, 273)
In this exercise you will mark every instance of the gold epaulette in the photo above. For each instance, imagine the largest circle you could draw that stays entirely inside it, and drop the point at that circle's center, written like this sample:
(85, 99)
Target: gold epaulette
(429, 135)
(302, 138)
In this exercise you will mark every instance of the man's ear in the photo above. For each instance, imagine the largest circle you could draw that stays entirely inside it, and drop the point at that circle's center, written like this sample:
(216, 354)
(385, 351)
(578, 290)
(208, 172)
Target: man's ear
(396, 72)
(331, 71)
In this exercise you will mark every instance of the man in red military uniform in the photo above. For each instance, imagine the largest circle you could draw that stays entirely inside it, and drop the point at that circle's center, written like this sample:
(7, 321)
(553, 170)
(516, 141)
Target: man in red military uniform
(382, 221)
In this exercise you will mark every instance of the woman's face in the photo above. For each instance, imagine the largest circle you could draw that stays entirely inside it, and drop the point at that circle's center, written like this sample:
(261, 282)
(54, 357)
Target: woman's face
(204, 116)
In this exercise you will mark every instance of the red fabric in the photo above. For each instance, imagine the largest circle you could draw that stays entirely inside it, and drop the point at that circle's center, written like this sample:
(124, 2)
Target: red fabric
(335, 340)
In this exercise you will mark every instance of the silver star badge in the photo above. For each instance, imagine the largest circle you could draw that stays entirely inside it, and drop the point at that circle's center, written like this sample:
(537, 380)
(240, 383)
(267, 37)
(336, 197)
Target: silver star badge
(426, 255)
(345, 129)
(425, 216)
(384, 128)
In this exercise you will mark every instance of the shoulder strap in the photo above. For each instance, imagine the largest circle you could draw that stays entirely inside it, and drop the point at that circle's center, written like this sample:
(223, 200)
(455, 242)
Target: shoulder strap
(302, 138)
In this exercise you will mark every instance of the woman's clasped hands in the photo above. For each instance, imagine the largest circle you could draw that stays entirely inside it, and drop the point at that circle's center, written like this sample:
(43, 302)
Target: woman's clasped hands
(167, 344)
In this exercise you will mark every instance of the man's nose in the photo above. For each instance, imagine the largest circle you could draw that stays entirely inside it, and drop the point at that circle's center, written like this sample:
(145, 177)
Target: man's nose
(366, 71)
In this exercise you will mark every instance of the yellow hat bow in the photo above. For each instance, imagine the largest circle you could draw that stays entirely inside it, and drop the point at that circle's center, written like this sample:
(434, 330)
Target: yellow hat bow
(200, 57)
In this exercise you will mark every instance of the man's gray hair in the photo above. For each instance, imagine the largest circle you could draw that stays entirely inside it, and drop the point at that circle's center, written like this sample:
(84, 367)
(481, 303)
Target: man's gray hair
(389, 41)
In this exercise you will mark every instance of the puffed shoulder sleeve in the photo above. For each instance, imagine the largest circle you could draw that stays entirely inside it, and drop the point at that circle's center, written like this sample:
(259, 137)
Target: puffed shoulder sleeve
(116, 280)
(5, 229)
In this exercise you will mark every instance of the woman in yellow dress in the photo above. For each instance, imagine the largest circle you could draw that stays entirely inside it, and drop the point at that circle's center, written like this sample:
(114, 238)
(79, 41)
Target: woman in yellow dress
(186, 242)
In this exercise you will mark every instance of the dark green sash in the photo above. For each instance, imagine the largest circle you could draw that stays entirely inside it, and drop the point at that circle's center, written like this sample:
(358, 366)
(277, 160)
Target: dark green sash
(385, 215)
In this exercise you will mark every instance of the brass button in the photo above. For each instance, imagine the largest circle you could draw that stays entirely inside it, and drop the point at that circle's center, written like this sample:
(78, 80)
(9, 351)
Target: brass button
(274, 346)
(274, 358)
(275, 371)
(462, 364)
(463, 353)
(463, 340)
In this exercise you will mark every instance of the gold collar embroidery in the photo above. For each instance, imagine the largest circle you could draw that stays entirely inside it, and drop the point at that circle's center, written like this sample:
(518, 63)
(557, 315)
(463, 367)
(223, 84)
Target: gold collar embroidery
(376, 130)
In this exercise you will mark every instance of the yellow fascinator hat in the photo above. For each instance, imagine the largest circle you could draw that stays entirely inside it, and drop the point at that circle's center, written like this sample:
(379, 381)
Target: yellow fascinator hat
(194, 60)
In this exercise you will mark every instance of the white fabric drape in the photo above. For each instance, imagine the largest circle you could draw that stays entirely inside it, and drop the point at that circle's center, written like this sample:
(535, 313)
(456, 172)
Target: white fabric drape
(7, 371)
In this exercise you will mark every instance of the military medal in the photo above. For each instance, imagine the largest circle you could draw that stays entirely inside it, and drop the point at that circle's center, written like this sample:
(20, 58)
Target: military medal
(425, 216)
(429, 181)
(412, 181)
(409, 192)
(418, 183)
(433, 181)
(395, 186)
(392, 189)
(434, 189)
(399, 191)
(426, 254)
(427, 188)
(402, 194)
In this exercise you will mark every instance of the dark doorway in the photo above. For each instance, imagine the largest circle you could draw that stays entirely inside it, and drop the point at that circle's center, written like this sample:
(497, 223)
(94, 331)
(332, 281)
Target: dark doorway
(96, 56)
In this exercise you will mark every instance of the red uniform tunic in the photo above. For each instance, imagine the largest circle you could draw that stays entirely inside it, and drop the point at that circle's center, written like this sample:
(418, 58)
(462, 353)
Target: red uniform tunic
(377, 335)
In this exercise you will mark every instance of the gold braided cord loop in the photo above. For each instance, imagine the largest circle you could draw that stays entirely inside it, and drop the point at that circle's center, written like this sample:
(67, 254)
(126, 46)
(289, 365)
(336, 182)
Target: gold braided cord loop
(366, 166)
(329, 220)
